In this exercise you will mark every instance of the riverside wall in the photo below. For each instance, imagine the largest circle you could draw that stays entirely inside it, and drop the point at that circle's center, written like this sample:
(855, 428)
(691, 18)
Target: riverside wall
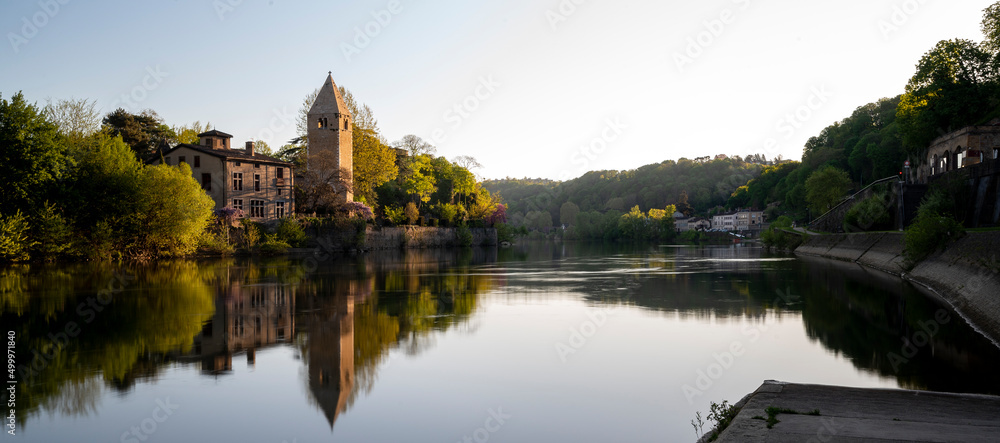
(966, 274)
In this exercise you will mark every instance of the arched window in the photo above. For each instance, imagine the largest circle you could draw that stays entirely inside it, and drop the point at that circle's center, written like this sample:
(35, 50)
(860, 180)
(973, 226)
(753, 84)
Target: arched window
(319, 123)
(345, 124)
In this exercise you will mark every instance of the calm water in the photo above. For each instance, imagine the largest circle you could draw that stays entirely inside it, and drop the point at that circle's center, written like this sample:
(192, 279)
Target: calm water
(536, 343)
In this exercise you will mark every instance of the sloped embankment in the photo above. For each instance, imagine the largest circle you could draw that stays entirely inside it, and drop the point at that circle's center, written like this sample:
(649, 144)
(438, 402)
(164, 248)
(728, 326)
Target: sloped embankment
(966, 273)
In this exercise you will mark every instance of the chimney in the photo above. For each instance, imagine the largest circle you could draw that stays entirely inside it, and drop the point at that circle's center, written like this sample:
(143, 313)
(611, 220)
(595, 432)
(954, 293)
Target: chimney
(250, 148)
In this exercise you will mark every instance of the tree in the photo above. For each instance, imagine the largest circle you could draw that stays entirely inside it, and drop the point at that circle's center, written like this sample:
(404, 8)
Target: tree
(468, 162)
(411, 212)
(955, 86)
(189, 133)
(419, 180)
(76, 118)
(174, 210)
(825, 188)
(322, 186)
(415, 146)
(144, 132)
(32, 158)
(374, 164)
(568, 213)
(302, 125)
(991, 28)
(683, 206)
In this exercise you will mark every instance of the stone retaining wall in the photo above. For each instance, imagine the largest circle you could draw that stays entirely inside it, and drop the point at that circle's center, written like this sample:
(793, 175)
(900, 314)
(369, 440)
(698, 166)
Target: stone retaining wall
(966, 274)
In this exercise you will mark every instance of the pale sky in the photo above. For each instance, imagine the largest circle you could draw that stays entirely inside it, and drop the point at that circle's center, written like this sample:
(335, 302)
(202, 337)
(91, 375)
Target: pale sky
(543, 88)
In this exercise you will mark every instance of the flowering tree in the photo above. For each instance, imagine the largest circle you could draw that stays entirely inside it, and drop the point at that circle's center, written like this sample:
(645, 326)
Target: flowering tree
(358, 209)
(499, 214)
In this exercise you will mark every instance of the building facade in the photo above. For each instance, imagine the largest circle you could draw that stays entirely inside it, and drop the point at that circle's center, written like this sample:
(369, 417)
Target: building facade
(749, 221)
(261, 186)
(965, 147)
(724, 222)
(330, 131)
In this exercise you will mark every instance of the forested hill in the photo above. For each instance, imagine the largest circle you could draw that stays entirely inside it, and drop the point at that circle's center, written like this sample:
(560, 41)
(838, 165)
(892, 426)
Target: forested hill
(702, 184)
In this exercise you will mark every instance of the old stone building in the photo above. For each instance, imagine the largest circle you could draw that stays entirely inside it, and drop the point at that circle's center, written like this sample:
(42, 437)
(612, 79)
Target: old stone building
(965, 147)
(260, 186)
(330, 131)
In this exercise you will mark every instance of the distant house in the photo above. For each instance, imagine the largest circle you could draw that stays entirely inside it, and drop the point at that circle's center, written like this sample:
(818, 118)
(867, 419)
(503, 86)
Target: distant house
(724, 222)
(750, 221)
(260, 186)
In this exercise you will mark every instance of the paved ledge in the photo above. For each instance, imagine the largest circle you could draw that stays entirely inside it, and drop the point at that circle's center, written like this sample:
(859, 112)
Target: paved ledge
(869, 415)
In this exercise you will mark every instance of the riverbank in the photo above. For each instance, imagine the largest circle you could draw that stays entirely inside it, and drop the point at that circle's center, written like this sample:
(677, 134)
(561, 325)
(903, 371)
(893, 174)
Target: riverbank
(333, 239)
(831, 413)
(966, 274)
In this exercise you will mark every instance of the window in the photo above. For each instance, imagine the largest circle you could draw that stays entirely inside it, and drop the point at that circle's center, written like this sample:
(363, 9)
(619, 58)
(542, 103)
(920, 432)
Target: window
(181, 159)
(256, 182)
(256, 165)
(257, 208)
(237, 181)
(238, 164)
(279, 191)
(345, 124)
(238, 203)
(197, 161)
(319, 123)
(281, 172)
(279, 209)
(206, 181)
(223, 142)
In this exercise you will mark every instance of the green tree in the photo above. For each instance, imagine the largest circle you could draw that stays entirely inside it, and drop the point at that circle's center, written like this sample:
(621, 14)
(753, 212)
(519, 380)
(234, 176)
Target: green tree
(825, 188)
(189, 133)
(568, 213)
(419, 180)
(143, 132)
(411, 212)
(374, 164)
(955, 85)
(175, 210)
(32, 156)
(991, 28)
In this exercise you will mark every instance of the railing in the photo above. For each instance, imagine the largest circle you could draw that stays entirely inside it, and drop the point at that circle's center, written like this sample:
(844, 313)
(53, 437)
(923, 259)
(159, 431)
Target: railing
(850, 199)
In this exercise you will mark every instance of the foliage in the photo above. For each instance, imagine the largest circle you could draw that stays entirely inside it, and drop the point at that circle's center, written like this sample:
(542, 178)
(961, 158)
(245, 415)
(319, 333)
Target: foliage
(143, 132)
(464, 235)
(52, 233)
(933, 228)
(174, 210)
(32, 159)
(358, 210)
(411, 213)
(418, 178)
(991, 28)
(272, 245)
(14, 237)
(825, 188)
(870, 214)
(76, 118)
(290, 231)
(322, 187)
(395, 214)
(374, 163)
(722, 415)
(568, 212)
(507, 233)
(252, 233)
(499, 215)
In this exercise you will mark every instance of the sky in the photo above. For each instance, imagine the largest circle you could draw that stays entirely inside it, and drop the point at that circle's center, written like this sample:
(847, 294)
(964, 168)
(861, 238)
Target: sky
(530, 88)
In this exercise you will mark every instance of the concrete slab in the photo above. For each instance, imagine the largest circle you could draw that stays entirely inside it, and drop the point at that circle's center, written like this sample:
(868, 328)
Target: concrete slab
(871, 415)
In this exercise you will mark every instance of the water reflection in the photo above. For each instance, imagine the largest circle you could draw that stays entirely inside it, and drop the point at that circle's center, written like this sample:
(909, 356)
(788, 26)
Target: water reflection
(89, 330)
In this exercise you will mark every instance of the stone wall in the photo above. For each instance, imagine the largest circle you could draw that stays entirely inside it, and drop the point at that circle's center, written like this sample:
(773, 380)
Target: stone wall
(833, 220)
(402, 237)
(966, 274)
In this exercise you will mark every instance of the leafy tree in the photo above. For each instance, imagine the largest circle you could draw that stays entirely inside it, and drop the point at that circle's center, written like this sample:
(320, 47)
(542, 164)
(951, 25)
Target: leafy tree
(991, 28)
(14, 242)
(32, 158)
(411, 212)
(174, 210)
(144, 132)
(825, 188)
(568, 213)
(419, 180)
(374, 164)
(955, 85)
(683, 206)
(189, 133)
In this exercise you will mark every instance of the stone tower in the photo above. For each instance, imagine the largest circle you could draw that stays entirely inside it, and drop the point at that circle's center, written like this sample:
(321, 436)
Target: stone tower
(330, 128)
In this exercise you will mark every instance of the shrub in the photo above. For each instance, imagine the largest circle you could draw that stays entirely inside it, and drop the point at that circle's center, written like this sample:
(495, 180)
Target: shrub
(273, 246)
(411, 213)
(464, 235)
(14, 237)
(289, 231)
(251, 234)
(215, 242)
(447, 213)
(869, 214)
(508, 233)
(933, 228)
(395, 215)
(52, 234)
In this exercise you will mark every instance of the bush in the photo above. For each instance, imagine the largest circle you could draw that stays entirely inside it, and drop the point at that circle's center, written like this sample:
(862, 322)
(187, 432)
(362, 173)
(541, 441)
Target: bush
(395, 215)
(508, 233)
(14, 237)
(52, 234)
(251, 234)
(289, 231)
(411, 213)
(870, 214)
(933, 228)
(464, 235)
(215, 243)
(273, 246)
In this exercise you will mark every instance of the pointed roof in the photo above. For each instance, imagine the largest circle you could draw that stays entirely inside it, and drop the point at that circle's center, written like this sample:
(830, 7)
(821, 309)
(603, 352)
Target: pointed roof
(329, 100)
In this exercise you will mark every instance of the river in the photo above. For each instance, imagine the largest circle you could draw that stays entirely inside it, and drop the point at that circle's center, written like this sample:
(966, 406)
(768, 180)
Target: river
(539, 342)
